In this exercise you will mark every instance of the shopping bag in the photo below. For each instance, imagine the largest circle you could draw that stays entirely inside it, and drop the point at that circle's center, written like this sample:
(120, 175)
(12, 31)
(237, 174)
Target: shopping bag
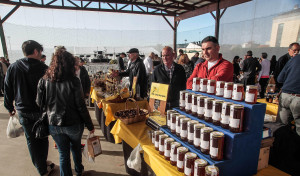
(14, 128)
(92, 147)
(135, 161)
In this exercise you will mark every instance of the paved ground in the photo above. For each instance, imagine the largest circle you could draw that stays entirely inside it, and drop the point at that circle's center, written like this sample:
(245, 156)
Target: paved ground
(15, 159)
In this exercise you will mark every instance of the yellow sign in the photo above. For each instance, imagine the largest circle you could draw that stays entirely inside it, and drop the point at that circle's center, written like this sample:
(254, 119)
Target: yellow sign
(159, 91)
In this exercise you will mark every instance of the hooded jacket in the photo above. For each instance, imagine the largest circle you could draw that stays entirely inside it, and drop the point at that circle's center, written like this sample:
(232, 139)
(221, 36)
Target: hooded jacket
(20, 84)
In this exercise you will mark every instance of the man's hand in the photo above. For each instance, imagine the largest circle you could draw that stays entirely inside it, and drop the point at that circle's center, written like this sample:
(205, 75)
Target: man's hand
(12, 113)
(92, 131)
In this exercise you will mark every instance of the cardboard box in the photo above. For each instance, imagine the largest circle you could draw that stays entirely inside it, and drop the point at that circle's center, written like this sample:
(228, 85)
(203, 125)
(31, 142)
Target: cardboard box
(263, 160)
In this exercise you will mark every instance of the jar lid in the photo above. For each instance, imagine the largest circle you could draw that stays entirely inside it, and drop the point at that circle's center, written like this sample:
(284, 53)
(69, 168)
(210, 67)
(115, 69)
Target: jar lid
(176, 113)
(203, 79)
(182, 149)
(169, 140)
(190, 155)
(228, 83)
(251, 87)
(177, 144)
(200, 162)
(227, 103)
(207, 129)
(201, 97)
(186, 120)
(162, 136)
(217, 134)
(193, 122)
(209, 99)
(158, 132)
(199, 125)
(181, 116)
(238, 84)
(237, 106)
(211, 80)
(220, 82)
(211, 169)
(218, 101)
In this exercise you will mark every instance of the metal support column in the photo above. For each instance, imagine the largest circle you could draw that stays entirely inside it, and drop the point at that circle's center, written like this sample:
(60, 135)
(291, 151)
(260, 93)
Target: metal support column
(175, 35)
(217, 19)
(3, 42)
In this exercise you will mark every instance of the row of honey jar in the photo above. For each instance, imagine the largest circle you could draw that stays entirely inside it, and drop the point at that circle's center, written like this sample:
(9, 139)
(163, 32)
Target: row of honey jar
(225, 114)
(186, 162)
(227, 90)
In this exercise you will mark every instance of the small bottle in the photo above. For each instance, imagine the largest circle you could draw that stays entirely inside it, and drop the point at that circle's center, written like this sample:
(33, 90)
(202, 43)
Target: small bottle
(216, 145)
(182, 100)
(220, 88)
(201, 107)
(238, 92)
(189, 160)
(194, 105)
(190, 131)
(225, 115)
(161, 148)
(211, 87)
(156, 134)
(197, 134)
(203, 85)
(167, 145)
(181, 151)
(216, 114)
(211, 170)
(208, 104)
(228, 88)
(173, 122)
(188, 103)
(173, 154)
(251, 94)
(236, 118)
(199, 167)
(169, 112)
(196, 84)
(184, 128)
(205, 139)
(178, 124)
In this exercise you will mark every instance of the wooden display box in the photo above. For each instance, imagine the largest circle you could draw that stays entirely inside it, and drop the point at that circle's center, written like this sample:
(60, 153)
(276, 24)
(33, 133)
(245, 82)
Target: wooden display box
(263, 160)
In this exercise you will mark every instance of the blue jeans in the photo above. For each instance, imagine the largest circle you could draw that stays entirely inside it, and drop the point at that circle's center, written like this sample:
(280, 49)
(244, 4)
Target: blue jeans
(66, 138)
(38, 148)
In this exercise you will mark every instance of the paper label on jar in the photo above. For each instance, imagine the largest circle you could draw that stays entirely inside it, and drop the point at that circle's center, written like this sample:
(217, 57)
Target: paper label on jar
(220, 91)
(187, 171)
(183, 133)
(249, 97)
(210, 89)
(179, 163)
(182, 103)
(213, 151)
(234, 123)
(161, 148)
(156, 144)
(195, 87)
(173, 156)
(203, 88)
(188, 106)
(177, 129)
(237, 95)
(208, 113)
(216, 116)
(196, 141)
(227, 93)
(224, 119)
(204, 144)
(194, 108)
(200, 110)
(167, 152)
(191, 136)
(173, 126)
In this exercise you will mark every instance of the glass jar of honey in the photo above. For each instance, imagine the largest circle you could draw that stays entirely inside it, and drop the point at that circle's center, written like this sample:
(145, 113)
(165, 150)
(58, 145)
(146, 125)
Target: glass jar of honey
(228, 88)
(197, 134)
(191, 124)
(188, 103)
(251, 94)
(173, 122)
(182, 100)
(216, 112)
(184, 128)
(203, 85)
(161, 148)
(173, 154)
(196, 84)
(205, 139)
(208, 104)
(236, 118)
(189, 160)
(238, 92)
(220, 88)
(225, 115)
(201, 107)
(181, 151)
(211, 170)
(156, 134)
(216, 145)
(178, 124)
(194, 105)
(199, 167)
(211, 87)
(169, 112)
(167, 151)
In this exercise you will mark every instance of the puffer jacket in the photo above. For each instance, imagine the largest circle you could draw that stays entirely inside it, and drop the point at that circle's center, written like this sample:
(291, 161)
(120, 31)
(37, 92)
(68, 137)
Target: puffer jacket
(64, 102)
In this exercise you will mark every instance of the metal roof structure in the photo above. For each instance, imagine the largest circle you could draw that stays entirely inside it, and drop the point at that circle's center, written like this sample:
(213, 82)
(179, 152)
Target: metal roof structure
(179, 9)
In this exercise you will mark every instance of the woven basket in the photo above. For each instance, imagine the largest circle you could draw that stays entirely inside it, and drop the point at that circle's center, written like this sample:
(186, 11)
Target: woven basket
(129, 116)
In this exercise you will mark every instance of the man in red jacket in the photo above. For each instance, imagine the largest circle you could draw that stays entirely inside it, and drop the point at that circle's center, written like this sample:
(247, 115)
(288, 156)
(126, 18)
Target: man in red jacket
(215, 67)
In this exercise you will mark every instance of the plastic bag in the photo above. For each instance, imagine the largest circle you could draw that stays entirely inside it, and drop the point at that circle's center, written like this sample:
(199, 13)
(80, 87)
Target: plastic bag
(135, 161)
(92, 147)
(14, 128)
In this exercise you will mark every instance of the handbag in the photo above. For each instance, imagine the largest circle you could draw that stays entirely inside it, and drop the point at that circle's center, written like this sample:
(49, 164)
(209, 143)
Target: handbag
(41, 126)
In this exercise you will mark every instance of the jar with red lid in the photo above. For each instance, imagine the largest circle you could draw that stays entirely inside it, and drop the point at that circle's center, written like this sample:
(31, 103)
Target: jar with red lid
(196, 84)
(156, 134)
(178, 124)
(203, 85)
(181, 151)
(199, 167)
(167, 150)
(197, 134)
(200, 107)
(238, 92)
(208, 105)
(228, 89)
(216, 114)
(216, 145)
(169, 112)
(184, 128)
(173, 122)
(194, 104)
(220, 88)
(189, 160)
(191, 124)
(188, 103)
(211, 87)
(236, 118)
(225, 115)
(211, 170)
(251, 94)
(205, 139)
(161, 148)
(173, 154)
(182, 100)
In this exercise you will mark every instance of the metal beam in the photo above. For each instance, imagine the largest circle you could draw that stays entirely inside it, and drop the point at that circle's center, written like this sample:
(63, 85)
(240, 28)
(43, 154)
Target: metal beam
(217, 20)
(168, 22)
(9, 14)
(2, 37)
(175, 36)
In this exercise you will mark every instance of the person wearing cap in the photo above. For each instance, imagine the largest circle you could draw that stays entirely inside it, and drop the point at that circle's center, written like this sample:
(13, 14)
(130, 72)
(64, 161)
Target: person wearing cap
(135, 69)
(121, 61)
(215, 66)
(251, 68)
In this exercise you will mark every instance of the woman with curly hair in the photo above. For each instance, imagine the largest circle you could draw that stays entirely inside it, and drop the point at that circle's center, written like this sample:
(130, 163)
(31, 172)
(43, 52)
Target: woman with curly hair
(61, 93)
(187, 65)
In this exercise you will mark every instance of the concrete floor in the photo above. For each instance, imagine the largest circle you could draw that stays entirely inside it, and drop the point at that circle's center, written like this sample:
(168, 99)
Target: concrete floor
(15, 159)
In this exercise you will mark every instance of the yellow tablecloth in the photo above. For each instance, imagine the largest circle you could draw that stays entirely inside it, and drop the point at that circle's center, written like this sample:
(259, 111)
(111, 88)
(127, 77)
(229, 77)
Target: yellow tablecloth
(271, 107)
(136, 133)
(110, 109)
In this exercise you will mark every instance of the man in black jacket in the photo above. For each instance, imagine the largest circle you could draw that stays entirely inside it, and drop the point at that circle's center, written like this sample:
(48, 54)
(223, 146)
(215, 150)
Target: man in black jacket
(21, 86)
(251, 68)
(121, 62)
(170, 73)
(136, 69)
(84, 78)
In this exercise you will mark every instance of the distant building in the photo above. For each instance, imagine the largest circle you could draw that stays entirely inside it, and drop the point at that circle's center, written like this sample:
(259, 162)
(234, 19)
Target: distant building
(190, 49)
